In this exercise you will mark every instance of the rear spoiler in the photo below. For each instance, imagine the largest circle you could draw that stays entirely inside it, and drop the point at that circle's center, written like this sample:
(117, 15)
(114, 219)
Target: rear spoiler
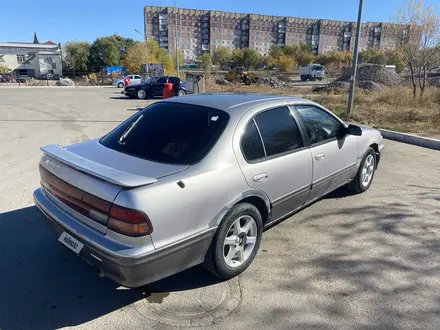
(100, 171)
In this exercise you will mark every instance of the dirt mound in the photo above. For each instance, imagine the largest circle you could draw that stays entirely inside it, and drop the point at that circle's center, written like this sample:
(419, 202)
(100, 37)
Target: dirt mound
(334, 86)
(374, 73)
(370, 85)
(273, 82)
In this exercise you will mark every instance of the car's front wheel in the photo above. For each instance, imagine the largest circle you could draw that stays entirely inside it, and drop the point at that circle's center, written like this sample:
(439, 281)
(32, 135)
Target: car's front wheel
(236, 241)
(181, 92)
(141, 94)
(365, 174)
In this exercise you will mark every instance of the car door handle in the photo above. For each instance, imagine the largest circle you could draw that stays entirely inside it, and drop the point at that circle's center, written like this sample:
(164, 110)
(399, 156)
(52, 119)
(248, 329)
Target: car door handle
(320, 156)
(260, 177)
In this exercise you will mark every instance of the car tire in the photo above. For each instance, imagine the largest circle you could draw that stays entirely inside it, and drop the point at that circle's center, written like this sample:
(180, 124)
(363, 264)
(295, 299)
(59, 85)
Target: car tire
(141, 94)
(303, 78)
(120, 85)
(181, 92)
(248, 82)
(364, 177)
(227, 259)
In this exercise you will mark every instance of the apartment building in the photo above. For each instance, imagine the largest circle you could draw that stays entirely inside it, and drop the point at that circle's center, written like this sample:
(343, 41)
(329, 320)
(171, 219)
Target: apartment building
(201, 31)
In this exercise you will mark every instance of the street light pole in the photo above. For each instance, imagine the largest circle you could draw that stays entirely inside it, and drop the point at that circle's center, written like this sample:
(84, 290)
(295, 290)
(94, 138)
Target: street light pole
(175, 37)
(355, 60)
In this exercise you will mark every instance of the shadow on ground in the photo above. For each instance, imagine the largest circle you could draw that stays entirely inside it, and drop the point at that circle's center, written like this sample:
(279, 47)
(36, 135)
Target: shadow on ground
(44, 285)
(371, 266)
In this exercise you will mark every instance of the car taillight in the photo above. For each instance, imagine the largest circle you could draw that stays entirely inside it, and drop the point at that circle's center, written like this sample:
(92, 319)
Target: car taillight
(129, 222)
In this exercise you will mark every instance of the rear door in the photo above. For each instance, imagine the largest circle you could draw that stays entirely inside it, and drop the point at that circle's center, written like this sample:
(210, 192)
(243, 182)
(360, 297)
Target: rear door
(158, 86)
(136, 80)
(334, 154)
(276, 160)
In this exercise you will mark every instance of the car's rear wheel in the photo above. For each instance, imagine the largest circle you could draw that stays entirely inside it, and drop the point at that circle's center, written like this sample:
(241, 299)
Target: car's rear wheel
(181, 92)
(120, 85)
(141, 94)
(365, 174)
(236, 241)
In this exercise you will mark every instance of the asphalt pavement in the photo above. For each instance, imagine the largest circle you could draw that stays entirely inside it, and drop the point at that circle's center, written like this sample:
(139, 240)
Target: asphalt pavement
(369, 261)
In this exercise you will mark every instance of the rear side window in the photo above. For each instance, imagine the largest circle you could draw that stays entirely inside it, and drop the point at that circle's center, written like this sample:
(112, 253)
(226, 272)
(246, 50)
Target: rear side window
(251, 144)
(279, 131)
(170, 133)
(161, 80)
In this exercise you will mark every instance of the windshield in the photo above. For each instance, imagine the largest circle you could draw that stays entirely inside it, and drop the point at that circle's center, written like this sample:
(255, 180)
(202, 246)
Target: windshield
(171, 133)
(318, 68)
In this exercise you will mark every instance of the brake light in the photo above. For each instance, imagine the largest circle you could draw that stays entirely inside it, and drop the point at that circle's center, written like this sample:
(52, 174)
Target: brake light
(129, 222)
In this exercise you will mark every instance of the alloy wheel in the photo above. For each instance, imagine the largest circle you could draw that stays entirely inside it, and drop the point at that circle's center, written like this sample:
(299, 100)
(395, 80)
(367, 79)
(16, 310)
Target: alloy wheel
(240, 241)
(367, 170)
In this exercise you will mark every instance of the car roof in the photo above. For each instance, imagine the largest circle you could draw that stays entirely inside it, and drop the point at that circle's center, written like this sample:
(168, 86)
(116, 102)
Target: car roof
(233, 102)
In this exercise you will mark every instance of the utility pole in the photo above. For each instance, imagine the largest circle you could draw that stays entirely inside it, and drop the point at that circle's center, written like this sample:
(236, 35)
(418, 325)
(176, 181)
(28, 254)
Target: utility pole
(175, 38)
(355, 60)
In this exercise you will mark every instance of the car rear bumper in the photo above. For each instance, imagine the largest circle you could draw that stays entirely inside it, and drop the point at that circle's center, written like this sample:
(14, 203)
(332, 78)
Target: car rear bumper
(126, 265)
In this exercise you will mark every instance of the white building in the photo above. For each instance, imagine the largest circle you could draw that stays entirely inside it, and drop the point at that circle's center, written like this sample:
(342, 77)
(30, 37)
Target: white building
(31, 59)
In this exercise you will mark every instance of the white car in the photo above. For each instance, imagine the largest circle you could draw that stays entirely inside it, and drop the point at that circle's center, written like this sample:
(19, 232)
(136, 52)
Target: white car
(135, 79)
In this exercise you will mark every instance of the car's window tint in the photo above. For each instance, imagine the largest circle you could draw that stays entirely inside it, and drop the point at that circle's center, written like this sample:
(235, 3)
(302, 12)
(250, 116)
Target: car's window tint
(279, 131)
(251, 144)
(170, 133)
(173, 80)
(320, 125)
(161, 80)
(137, 77)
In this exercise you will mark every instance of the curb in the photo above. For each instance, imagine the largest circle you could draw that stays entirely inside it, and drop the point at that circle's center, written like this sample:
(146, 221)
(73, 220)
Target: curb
(411, 139)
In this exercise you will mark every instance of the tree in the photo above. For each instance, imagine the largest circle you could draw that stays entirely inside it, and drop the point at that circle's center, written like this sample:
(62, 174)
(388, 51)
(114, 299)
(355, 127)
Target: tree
(135, 57)
(394, 57)
(77, 55)
(109, 51)
(275, 52)
(304, 57)
(205, 62)
(4, 69)
(251, 58)
(285, 63)
(417, 35)
(221, 56)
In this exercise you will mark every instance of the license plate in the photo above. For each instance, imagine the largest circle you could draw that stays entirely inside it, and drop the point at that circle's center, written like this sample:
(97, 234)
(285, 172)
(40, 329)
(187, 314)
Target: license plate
(71, 242)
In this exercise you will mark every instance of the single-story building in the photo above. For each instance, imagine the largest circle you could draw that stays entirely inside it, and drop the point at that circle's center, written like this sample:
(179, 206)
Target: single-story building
(31, 59)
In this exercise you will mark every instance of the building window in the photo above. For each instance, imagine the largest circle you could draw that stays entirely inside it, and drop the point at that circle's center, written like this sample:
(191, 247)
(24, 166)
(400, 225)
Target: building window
(21, 59)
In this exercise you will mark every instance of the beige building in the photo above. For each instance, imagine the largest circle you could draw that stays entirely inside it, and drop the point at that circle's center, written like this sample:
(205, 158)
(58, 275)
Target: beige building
(201, 31)
(31, 59)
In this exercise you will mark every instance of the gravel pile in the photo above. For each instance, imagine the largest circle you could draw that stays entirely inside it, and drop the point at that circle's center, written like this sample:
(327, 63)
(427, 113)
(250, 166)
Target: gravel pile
(334, 86)
(370, 86)
(434, 81)
(273, 82)
(374, 73)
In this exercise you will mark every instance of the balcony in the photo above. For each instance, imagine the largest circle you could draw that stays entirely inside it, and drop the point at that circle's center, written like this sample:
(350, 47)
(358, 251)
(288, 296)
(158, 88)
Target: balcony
(205, 47)
(163, 27)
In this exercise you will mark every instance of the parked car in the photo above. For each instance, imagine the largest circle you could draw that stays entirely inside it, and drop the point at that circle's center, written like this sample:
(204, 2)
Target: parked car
(23, 78)
(6, 78)
(153, 87)
(196, 179)
(134, 80)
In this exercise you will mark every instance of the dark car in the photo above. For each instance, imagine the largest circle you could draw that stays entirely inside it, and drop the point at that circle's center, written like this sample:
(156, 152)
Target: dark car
(6, 78)
(153, 87)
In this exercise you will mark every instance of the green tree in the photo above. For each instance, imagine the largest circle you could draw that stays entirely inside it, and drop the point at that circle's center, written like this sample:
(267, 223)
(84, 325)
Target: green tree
(4, 69)
(275, 52)
(77, 55)
(221, 56)
(109, 51)
(205, 62)
(250, 58)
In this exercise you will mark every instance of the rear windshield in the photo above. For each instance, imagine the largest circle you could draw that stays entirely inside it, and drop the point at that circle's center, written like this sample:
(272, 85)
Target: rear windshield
(172, 133)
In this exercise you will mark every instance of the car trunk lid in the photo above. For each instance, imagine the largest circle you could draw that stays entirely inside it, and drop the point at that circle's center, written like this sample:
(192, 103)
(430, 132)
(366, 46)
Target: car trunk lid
(84, 179)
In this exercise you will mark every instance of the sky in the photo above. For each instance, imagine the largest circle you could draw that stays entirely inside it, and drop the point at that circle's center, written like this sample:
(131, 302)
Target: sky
(64, 20)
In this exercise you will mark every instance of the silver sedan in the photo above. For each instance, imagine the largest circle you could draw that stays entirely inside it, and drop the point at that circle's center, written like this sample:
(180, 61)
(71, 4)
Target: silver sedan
(196, 179)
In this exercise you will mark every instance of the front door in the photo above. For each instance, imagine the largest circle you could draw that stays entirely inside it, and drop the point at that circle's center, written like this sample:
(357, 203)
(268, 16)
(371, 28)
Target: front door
(275, 160)
(334, 154)
(158, 86)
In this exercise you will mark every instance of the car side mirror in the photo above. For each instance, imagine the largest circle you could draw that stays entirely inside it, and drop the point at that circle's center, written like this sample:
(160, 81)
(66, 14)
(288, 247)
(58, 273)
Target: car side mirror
(354, 130)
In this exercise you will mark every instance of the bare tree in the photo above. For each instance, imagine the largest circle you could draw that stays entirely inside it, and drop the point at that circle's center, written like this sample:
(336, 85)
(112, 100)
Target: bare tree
(417, 34)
